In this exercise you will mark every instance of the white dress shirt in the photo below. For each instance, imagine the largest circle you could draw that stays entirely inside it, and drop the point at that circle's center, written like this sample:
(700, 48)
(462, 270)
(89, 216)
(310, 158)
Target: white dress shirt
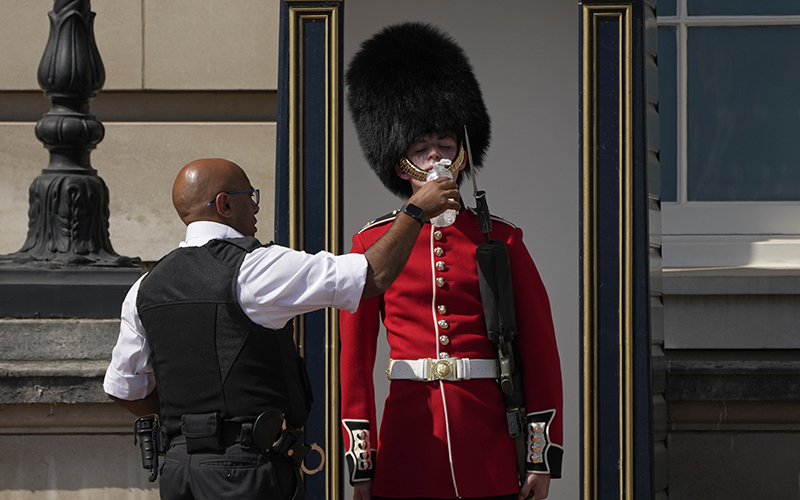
(274, 285)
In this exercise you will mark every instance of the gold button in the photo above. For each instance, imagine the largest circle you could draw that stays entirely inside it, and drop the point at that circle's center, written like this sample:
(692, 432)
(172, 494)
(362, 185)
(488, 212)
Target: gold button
(364, 455)
(440, 282)
(536, 439)
(536, 460)
(438, 251)
(536, 427)
(437, 235)
(440, 265)
(362, 434)
(444, 339)
(443, 324)
(444, 355)
(536, 449)
(364, 464)
(442, 309)
(361, 445)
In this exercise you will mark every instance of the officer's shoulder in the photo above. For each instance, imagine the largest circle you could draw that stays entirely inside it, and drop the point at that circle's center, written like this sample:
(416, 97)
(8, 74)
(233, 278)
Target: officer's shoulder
(380, 221)
(495, 218)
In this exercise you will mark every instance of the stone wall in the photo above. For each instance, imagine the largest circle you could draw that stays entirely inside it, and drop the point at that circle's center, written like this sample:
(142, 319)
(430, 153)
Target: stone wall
(58, 431)
(733, 384)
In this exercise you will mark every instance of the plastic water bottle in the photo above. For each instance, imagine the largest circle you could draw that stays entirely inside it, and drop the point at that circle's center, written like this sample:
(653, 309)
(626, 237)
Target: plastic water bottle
(440, 171)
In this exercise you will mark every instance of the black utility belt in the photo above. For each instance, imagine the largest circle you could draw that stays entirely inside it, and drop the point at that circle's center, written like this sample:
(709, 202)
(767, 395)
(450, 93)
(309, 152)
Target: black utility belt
(267, 433)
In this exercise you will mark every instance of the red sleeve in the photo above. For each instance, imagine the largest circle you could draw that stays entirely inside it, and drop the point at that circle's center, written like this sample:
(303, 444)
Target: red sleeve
(536, 343)
(359, 340)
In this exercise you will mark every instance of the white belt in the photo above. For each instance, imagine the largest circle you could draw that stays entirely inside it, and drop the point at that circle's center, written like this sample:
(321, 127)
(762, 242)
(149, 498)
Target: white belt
(427, 370)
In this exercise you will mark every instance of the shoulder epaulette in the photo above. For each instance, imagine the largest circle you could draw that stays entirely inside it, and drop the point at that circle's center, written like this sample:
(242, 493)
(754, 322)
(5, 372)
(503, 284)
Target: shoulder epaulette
(495, 218)
(380, 220)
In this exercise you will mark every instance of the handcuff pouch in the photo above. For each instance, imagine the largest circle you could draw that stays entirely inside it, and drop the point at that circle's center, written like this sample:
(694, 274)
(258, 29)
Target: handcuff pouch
(203, 432)
(267, 429)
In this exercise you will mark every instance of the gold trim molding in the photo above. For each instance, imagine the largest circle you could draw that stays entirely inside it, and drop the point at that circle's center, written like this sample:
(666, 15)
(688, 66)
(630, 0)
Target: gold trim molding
(591, 16)
(300, 13)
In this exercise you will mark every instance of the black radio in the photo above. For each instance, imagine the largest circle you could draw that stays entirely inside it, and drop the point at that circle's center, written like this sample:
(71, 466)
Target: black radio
(147, 432)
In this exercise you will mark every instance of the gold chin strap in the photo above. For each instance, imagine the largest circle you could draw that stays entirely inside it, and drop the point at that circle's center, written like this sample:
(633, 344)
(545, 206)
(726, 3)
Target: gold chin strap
(421, 175)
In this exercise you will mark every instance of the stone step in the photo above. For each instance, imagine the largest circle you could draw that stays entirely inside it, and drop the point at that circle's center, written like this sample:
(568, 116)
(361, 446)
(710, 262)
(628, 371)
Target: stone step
(57, 339)
(52, 381)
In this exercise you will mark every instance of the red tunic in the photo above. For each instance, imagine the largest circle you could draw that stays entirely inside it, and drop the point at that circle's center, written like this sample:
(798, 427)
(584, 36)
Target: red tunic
(446, 439)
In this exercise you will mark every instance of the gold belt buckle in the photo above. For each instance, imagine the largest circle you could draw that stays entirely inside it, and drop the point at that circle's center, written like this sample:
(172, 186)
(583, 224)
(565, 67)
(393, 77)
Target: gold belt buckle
(443, 369)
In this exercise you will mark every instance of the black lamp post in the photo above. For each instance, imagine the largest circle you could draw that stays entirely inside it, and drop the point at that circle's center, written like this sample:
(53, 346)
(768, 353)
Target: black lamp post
(67, 267)
(68, 213)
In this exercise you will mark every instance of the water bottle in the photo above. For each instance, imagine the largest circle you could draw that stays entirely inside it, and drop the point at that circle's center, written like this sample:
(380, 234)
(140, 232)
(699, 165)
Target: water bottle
(440, 171)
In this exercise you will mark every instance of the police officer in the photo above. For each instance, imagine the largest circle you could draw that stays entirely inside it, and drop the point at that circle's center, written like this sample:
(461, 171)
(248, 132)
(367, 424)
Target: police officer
(444, 433)
(206, 336)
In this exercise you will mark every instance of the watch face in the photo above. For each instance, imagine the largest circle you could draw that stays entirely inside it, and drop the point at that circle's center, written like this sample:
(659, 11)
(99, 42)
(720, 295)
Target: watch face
(414, 211)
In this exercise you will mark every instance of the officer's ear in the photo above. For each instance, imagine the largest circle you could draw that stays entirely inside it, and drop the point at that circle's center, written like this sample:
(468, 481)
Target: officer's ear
(223, 206)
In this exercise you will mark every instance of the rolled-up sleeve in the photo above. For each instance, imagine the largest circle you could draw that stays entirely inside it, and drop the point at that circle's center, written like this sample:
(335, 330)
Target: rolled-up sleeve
(130, 375)
(276, 283)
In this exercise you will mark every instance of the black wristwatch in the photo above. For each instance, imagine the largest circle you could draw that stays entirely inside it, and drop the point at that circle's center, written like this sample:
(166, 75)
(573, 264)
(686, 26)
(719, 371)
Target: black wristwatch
(415, 212)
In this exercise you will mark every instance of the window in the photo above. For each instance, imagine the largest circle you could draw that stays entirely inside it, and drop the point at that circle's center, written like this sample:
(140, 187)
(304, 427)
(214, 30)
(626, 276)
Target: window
(730, 132)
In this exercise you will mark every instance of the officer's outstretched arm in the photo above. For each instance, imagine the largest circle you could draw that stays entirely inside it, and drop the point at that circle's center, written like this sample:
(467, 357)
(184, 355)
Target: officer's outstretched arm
(387, 256)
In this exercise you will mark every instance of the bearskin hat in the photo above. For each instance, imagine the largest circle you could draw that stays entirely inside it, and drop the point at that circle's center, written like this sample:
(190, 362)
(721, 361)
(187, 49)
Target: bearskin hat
(407, 81)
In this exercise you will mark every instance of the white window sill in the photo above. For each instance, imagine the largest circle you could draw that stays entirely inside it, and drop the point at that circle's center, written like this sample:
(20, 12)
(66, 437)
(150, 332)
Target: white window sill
(731, 234)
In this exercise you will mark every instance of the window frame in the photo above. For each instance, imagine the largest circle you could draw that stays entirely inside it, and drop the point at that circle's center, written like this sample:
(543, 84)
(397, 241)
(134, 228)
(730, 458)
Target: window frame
(722, 233)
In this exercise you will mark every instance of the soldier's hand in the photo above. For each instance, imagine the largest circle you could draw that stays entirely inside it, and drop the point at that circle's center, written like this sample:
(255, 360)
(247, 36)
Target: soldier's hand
(536, 487)
(362, 490)
(436, 196)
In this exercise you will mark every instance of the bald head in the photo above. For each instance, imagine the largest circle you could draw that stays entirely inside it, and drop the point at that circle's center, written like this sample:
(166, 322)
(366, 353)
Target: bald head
(200, 182)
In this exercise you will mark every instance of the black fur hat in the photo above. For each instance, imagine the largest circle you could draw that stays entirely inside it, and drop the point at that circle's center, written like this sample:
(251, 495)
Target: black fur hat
(407, 81)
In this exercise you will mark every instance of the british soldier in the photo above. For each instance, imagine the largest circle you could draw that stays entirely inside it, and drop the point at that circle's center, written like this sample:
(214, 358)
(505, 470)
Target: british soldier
(444, 434)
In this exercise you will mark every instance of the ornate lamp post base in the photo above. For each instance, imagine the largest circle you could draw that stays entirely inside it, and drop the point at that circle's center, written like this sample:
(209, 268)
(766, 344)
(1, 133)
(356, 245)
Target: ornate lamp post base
(68, 224)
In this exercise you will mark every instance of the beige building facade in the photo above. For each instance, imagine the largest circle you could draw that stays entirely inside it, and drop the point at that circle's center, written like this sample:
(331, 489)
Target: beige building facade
(184, 80)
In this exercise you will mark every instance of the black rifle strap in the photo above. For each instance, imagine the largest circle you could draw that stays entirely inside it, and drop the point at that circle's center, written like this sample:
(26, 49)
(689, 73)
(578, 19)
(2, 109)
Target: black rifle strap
(497, 298)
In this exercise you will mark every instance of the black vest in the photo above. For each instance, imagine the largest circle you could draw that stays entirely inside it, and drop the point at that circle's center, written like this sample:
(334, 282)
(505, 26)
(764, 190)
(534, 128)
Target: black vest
(207, 355)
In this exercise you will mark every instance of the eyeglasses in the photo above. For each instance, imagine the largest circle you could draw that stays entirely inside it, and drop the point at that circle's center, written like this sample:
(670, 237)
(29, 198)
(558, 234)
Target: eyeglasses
(255, 196)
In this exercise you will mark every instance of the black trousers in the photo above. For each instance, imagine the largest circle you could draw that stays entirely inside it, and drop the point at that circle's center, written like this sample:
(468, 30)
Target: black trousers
(234, 473)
